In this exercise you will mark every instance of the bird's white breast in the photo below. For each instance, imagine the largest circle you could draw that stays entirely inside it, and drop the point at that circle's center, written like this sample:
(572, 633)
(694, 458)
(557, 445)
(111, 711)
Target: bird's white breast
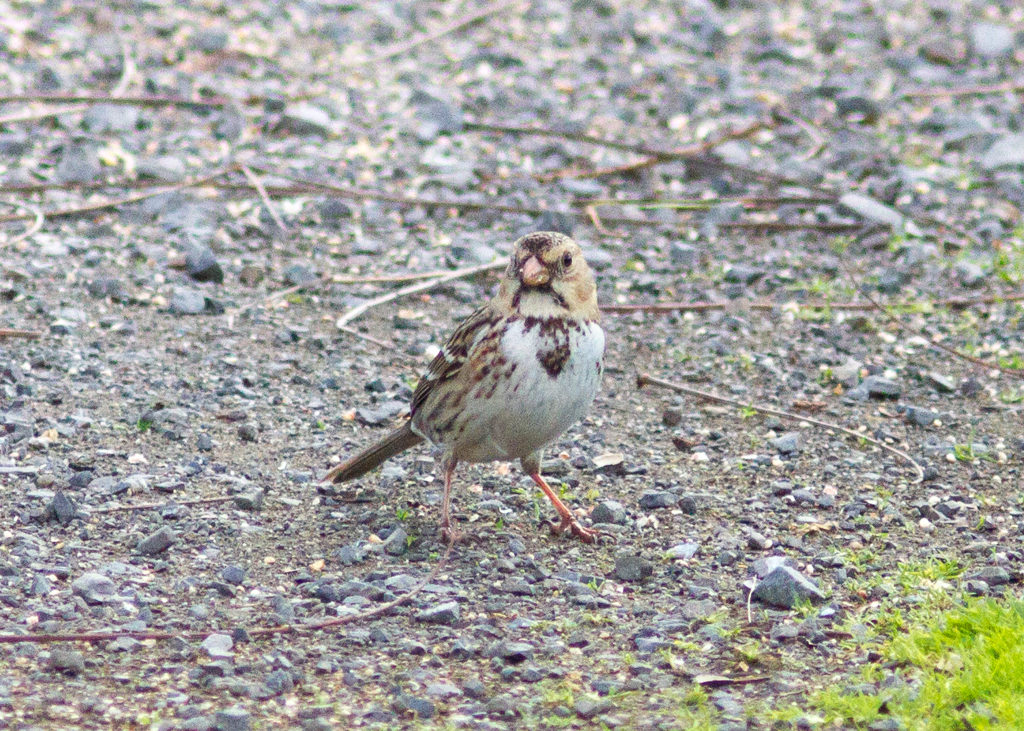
(556, 375)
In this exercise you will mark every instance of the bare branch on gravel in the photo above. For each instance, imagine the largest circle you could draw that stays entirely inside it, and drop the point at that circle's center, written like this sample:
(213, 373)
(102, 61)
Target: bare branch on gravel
(95, 207)
(213, 102)
(8, 332)
(271, 209)
(34, 115)
(1008, 87)
(256, 632)
(654, 158)
(414, 288)
(876, 305)
(399, 49)
(37, 223)
(153, 506)
(953, 303)
(645, 379)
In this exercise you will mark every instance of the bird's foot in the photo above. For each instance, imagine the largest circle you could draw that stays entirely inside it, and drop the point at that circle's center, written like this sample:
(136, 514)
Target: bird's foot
(449, 534)
(587, 535)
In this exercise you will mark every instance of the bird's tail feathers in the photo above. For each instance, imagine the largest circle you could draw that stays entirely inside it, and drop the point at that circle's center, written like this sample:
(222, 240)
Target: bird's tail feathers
(394, 443)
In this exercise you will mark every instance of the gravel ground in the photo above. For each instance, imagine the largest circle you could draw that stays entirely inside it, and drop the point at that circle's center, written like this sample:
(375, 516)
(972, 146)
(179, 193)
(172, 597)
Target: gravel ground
(161, 442)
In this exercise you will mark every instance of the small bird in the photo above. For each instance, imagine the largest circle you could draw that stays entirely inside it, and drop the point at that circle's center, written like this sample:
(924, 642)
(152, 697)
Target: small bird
(513, 376)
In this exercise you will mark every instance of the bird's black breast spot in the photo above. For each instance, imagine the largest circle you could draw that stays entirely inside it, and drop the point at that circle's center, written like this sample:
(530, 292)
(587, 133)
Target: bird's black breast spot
(554, 360)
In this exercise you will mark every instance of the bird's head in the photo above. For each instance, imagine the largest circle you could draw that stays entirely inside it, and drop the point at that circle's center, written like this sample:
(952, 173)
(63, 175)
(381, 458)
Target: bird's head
(547, 275)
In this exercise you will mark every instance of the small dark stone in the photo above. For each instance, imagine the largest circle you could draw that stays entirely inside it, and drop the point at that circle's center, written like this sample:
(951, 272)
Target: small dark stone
(233, 574)
(234, 719)
(652, 500)
(785, 587)
(632, 568)
(609, 511)
(157, 542)
(587, 707)
(473, 688)
(247, 433)
(66, 661)
(405, 704)
(447, 613)
(201, 264)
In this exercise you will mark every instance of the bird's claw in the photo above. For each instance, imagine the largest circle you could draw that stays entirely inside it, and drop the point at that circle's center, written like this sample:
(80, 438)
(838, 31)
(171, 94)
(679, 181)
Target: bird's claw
(587, 535)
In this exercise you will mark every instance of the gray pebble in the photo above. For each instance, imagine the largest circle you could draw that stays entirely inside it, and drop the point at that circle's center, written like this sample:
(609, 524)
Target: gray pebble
(447, 613)
(785, 587)
(157, 542)
(632, 568)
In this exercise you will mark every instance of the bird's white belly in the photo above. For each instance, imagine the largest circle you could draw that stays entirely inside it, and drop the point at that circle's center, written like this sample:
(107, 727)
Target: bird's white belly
(556, 376)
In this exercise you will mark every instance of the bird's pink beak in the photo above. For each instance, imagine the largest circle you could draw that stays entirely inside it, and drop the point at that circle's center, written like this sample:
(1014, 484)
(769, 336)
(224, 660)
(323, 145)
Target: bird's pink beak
(533, 273)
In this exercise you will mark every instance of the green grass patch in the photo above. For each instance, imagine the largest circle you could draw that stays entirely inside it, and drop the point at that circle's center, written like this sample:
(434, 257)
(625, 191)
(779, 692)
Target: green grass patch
(964, 670)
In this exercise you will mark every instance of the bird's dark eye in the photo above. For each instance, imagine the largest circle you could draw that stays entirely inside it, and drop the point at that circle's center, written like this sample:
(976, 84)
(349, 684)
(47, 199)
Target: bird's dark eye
(566, 260)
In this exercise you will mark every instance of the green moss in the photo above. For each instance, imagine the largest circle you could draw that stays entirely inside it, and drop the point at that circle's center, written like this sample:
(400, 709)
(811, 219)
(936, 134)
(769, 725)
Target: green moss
(964, 667)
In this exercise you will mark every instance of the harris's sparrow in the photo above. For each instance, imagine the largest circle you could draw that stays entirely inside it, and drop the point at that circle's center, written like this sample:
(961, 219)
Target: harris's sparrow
(513, 376)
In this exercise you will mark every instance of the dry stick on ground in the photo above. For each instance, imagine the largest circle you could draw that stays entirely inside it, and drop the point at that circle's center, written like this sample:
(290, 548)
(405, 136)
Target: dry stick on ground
(36, 225)
(10, 332)
(413, 289)
(95, 207)
(139, 101)
(956, 303)
(876, 305)
(654, 159)
(271, 209)
(255, 632)
(152, 506)
(458, 24)
(644, 379)
(1011, 87)
(379, 343)
(32, 116)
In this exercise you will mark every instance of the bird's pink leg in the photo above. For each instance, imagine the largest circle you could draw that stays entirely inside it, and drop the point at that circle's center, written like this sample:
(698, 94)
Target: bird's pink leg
(446, 501)
(587, 535)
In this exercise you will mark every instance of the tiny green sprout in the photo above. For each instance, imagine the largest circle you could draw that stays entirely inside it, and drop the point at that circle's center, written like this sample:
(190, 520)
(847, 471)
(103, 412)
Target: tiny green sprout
(321, 424)
(593, 495)
(963, 452)
(594, 586)
(499, 524)
(748, 412)
(402, 513)
(409, 540)
(294, 299)
(143, 425)
(433, 555)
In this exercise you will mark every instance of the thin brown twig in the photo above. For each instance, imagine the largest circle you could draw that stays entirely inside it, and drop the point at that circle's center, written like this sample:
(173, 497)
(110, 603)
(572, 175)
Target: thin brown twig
(644, 379)
(153, 506)
(379, 343)
(808, 129)
(31, 116)
(10, 332)
(140, 101)
(654, 158)
(952, 303)
(413, 289)
(33, 228)
(96, 207)
(458, 24)
(271, 209)
(255, 632)
(127, 70)
(778, 226)
(903, 328)
(1009, 86)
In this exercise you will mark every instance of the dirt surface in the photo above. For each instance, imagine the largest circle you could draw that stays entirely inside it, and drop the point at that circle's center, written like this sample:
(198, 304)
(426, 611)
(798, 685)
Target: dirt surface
(162, 440)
